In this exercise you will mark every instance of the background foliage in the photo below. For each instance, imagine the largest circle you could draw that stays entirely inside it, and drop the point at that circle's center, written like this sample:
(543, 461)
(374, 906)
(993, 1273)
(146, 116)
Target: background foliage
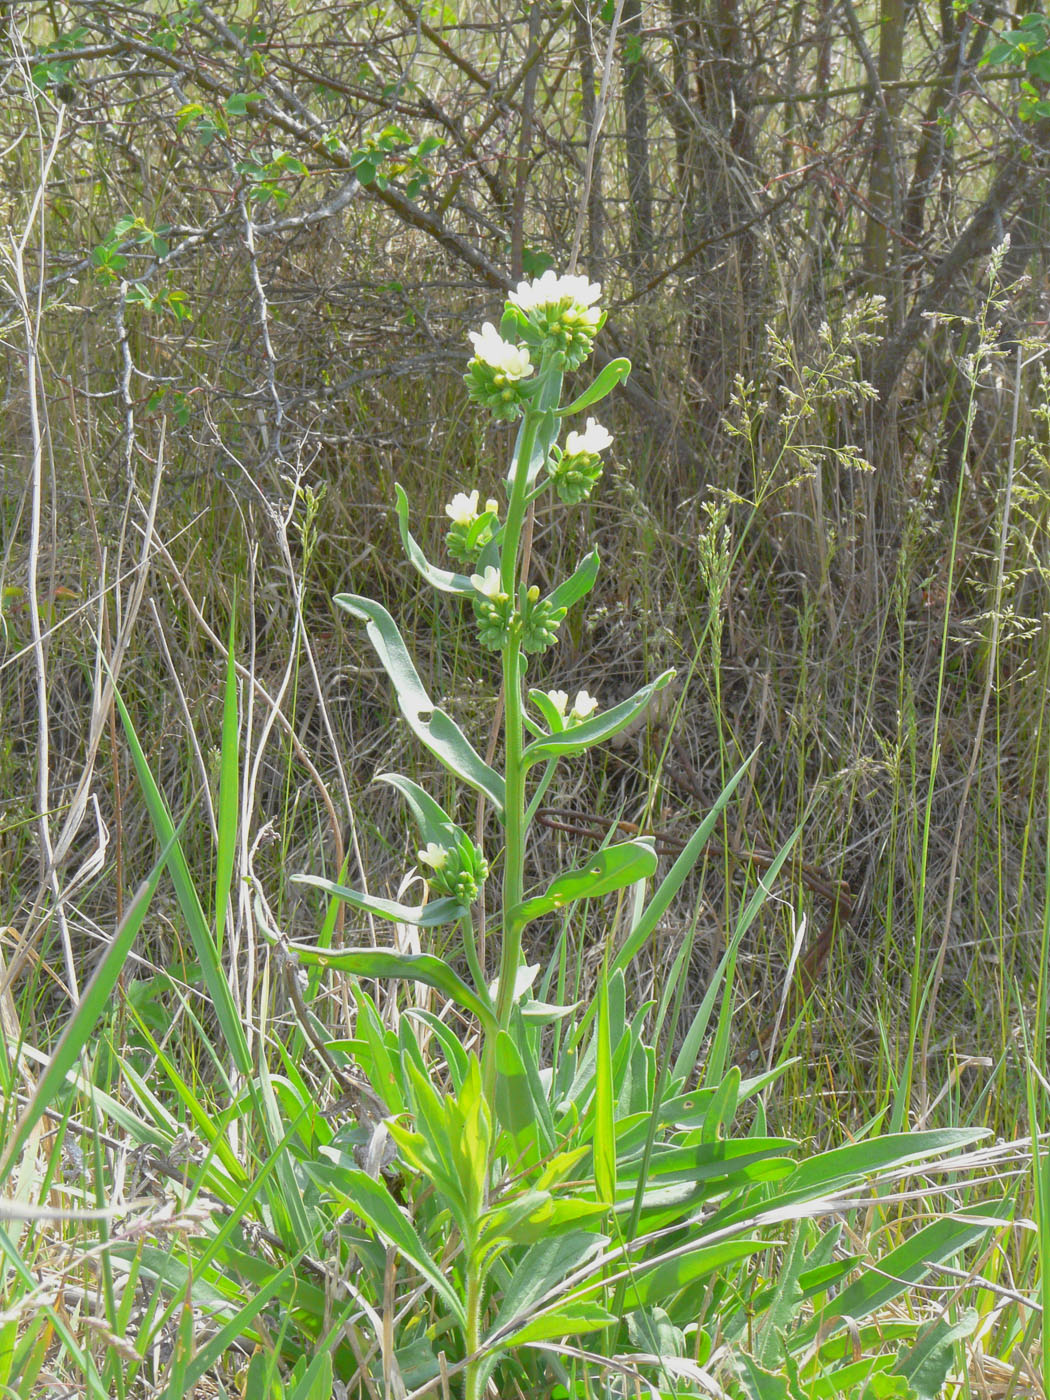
(243, 245)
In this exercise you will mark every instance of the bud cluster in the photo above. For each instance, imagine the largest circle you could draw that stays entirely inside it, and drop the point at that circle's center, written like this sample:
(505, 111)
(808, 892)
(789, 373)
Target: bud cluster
(458, 869)
(471, 530)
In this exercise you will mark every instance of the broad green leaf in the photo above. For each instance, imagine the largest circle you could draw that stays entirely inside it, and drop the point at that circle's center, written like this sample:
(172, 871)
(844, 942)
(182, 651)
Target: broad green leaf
(721, 1163)
(566, 1320)
(455, 1055)
(615, 372)
(657, 1283)
(374, 1203)
(552, 716)
(537, 1088)
(611, 868)
(927, 1363)
(595, 730)
(431, 819)
(909, 1263)
(722, 1111)
(385, 962)
(379, 1061)
(315, 1380)
(440, 579)
(782, 1305)
(761, 1384)
(513, 1097)
(578, 584)
(538, 1272)
(534, 1216)
(436, 730)
(829, 1170)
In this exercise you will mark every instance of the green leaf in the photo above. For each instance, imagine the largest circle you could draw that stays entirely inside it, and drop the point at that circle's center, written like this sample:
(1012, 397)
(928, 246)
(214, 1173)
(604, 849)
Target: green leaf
(763, 1385)
(779, 1315)
(596, 730)
(614, 373)
(604, 1145)
(566, 1320)
(513, 1096)
(384, 962)
(722, 1110)
(908, 1264)
(433, 914)
(829, 1170)
(578, 584)
(927, 1364)
(539, 1270)
(658, 1283)
(440, 579)
(375, 1204)
(434, 729)
(431, 818)
(611, 868)
(238, 103)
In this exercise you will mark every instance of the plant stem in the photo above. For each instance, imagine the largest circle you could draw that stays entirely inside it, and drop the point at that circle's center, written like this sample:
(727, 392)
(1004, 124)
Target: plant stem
(514, 777)
(472, 1376)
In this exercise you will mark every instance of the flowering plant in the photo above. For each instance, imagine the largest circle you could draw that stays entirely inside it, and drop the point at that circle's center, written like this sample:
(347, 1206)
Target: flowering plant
(563, 1178)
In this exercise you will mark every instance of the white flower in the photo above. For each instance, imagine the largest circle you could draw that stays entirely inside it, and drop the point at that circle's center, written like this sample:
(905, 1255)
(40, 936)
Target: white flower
(492, 506)
(488, 583)
(593, 439)
(559, 700)
(512, 361)
(584, 705)
(435, 856)
(552, 290)
(463, 509)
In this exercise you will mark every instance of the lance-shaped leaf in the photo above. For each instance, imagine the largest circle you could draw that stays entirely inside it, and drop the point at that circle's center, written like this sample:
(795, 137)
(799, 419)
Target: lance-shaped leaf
(614, 373)
(436, 730)
(374, 1203)
(440, 579)
(431, 818)
(386, 963)
(579, 582)
(596, 730)
(430, 915)
(611, 868)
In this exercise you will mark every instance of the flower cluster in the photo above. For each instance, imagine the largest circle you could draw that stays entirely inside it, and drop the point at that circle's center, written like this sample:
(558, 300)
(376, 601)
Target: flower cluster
(558, 314)
(579, 467)
(492, 609)
(548, 326)
(582, 707)
(471, 529)
(458, 869)
(495, 373)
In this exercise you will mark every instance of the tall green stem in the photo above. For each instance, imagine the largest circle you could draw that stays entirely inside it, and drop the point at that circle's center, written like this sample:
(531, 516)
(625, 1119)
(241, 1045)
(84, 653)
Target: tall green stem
(514, 807)
(472, 1380)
